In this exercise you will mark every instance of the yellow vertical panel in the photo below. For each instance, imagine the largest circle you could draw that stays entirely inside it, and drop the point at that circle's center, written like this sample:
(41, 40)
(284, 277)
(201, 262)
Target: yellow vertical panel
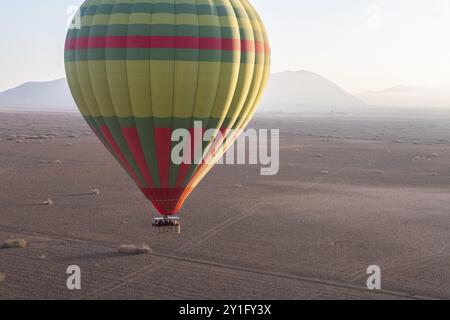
(162, 79)
(245, 71)
(262, 69)
(100, 88)
(229, 72)
(83, 74)
(98, 75)
(208, 81)
(138, 73)
(86, 88)
(162, 73)
(74, 86)
(185, 88)
(117, 79)
(227, 87)
(186, 83)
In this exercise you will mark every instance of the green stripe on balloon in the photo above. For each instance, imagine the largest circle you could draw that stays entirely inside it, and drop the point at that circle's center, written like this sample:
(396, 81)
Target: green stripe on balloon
(174, 122)
(146, 133)
(158, 8)
(158, 55)
(112, 124)
(114, 127)
(121, 30)
(145, 128)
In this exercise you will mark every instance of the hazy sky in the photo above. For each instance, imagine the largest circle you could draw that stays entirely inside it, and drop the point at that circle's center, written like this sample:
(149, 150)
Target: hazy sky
(358, 44)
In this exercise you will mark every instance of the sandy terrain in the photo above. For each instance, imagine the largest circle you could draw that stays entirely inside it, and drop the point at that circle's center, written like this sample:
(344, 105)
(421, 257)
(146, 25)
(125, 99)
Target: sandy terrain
(298, 235)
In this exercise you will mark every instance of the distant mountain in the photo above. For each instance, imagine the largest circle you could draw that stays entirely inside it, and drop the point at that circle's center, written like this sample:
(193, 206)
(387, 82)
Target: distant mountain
(404, 96)
(286, 90)
(52, 94)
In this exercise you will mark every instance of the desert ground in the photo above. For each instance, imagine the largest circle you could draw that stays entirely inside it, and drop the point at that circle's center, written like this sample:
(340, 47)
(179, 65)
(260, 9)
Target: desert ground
(352, 191)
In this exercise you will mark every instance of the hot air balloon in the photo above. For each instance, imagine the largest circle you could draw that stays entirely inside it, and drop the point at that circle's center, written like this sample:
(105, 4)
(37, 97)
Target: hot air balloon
(140, 69)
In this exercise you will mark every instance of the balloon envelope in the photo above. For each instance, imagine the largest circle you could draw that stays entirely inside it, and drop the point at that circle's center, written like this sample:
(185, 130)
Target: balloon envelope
(140, 69)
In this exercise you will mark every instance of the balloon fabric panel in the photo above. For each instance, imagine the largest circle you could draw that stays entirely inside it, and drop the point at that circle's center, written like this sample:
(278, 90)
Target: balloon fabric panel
(139, 69)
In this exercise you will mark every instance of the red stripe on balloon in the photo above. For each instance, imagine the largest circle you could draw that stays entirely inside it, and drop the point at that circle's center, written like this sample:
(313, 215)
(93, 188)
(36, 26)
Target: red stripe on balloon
(184, 167)
(167, 42)
(195, 143)
(134, 143)
(163, 144)
(115, 148)
(168, 201)
(182, 172)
